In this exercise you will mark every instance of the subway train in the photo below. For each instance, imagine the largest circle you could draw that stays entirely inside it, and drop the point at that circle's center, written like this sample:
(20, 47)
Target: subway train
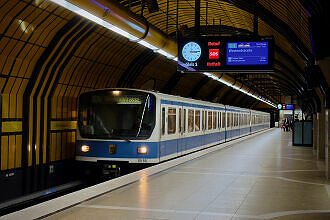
(129, 127)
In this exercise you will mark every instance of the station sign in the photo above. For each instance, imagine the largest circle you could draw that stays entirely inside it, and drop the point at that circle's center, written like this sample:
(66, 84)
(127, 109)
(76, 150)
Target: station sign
(286, 106)
(211, 53)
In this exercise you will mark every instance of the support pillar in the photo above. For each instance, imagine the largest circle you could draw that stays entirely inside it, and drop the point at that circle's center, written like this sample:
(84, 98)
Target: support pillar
(327, 142)
(315, 134)
(321, 135)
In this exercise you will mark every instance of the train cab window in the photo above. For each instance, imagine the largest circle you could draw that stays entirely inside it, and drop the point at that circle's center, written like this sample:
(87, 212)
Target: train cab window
(209, 120)
(163, 121)
(171, 121)
(214, 120)
(223, 119)
(106, 114)
(180, 120)
(197, 120)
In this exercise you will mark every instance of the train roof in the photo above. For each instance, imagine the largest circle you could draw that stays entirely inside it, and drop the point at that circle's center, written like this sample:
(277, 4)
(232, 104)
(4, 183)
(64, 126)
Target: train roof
(183, 99)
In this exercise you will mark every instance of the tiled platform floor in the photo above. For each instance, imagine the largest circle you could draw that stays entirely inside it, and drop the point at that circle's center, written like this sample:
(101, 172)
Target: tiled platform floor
(264, 177)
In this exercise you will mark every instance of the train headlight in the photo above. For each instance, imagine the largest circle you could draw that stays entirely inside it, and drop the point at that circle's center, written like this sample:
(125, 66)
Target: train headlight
(143, 150)
(85, 148)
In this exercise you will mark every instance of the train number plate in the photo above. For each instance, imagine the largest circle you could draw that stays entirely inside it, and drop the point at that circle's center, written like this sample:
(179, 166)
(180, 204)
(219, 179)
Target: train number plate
(112, 149)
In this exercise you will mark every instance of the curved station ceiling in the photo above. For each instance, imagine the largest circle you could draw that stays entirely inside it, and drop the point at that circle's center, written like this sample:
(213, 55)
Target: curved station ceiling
(50, 53)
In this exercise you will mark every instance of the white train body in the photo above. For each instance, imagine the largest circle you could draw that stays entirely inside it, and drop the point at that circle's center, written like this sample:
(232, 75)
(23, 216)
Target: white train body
(138, 126)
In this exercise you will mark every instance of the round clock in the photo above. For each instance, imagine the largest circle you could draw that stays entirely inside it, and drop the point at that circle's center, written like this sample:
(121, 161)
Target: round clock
(191, 51)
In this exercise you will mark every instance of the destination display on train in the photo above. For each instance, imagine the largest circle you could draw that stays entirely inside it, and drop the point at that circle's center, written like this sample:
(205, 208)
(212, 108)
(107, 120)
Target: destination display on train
(237, 54)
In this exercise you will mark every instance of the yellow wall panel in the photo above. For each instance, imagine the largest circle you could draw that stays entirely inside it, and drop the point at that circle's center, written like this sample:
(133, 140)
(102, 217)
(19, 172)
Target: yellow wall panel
(4, 152)
(63, 125)
(18, 63)
(5, 105)
(18, 161)
(3, 43)
(12, 106)
(11, 126)
(12, 152)
(58, 146)
(53, 147)
(9, 85)
(65, 146)
(2, 82)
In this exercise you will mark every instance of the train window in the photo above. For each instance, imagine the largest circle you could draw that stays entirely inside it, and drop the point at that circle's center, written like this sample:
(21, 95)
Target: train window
(190, 120)
(214, 120)
(184, 120)
(234, 119)
(223, 120)
(228, 119)
(180, 120)
(219, 119)
(197, 120)
(163, 121)
(171, 121)
(203, 121)
(209, 120)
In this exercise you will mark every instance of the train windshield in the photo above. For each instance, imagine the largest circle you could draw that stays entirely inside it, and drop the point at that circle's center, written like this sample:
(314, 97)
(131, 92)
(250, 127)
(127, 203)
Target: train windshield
(117, 114)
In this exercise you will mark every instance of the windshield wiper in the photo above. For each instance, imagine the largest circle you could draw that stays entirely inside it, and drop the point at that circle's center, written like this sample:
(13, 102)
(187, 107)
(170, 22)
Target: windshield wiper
(142, 117)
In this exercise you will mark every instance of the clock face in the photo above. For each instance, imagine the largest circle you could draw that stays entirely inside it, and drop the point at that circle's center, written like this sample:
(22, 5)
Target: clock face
(191, 51)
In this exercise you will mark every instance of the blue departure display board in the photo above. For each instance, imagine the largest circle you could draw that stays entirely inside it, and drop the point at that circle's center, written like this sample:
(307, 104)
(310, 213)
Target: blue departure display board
(247, 53)
(225, 53)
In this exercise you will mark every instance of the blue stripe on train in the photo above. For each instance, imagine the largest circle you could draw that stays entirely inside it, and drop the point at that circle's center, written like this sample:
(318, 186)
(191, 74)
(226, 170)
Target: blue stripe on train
(124, 149)
(155, 149)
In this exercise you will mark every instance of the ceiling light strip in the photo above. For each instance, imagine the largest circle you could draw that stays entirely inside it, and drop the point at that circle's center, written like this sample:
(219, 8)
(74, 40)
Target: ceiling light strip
(239, 89)
(131, 37)
(111, 27)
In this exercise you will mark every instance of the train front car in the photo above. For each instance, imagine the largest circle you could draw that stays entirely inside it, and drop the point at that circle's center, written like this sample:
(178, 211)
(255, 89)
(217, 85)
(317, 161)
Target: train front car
(116, 129)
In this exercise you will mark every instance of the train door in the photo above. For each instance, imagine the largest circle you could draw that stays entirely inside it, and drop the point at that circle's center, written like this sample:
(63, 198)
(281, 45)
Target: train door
(203, 127)
(182, 130)
(169, 132)
(163, 131)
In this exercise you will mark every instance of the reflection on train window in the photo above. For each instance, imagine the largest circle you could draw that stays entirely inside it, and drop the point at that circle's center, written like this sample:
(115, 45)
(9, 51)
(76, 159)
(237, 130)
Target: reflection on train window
(184, 120)
(223, 120)
(203, 120)
(209, 120)
(171, 121)
(180, 120)
(197, 120)
(127, 115)
(163, 121)
(190, 120)
(232, 118)
(214, 120)
(228, 119)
